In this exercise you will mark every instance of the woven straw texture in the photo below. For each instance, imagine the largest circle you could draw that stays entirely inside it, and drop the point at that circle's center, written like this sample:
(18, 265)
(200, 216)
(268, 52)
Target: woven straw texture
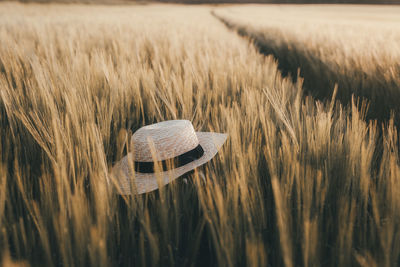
(166, 140)
(163, 141)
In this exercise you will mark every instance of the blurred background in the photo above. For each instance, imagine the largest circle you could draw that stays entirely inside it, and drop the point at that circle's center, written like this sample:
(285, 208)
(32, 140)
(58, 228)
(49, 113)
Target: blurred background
(376, 2)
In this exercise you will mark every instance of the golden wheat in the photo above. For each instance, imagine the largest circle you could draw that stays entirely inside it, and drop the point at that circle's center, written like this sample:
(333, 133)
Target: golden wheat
(355, 47)
(299, 182)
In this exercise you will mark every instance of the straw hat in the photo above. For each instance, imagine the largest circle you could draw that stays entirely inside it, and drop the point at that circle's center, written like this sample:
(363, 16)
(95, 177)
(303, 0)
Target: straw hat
(162, 152)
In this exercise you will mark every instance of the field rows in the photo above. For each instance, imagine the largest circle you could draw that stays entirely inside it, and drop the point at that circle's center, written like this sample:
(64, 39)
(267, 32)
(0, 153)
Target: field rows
(354, 47)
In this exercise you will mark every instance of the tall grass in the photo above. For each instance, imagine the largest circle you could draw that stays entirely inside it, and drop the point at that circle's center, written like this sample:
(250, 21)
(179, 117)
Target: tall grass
(299, 181)
(355, 47)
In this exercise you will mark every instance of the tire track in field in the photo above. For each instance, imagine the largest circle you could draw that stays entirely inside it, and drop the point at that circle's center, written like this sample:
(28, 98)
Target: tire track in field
(320, 78)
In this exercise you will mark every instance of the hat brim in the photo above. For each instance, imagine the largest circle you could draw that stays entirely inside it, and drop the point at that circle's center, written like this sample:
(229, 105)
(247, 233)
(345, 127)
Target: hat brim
(125, 177)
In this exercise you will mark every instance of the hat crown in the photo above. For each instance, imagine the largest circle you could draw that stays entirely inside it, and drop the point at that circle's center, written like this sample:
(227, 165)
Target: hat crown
(166, 140)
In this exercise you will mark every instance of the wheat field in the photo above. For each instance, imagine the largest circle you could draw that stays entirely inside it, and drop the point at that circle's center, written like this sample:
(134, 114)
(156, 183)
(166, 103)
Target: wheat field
(301, 180)
(355, 47)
